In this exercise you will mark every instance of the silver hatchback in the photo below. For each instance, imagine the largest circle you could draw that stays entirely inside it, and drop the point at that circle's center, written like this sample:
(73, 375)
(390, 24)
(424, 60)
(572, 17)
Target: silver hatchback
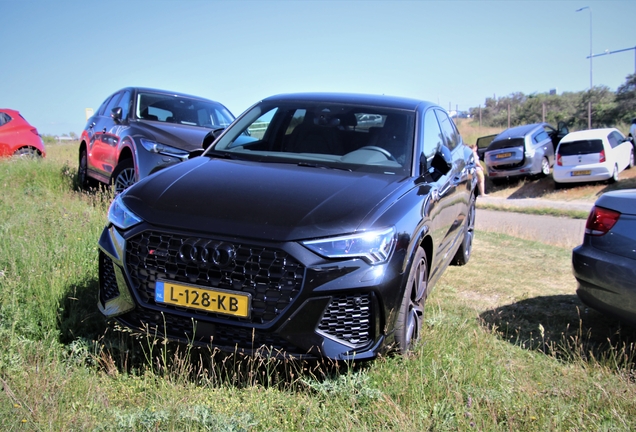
(523, 150)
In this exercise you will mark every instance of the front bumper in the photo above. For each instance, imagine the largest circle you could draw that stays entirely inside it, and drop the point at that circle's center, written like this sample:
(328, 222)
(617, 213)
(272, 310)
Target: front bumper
(302, 306)
(606, 282)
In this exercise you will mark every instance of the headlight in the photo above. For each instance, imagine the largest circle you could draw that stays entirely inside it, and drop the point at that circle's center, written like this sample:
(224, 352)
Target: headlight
(375, 247)
(120, 216)
(155, 147)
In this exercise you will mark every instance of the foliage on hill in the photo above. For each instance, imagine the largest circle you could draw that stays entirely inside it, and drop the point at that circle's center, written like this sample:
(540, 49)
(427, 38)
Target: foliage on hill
(608, 108)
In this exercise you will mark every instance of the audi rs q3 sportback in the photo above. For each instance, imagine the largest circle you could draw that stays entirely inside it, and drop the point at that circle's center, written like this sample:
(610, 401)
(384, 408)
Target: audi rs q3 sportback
(304, 230)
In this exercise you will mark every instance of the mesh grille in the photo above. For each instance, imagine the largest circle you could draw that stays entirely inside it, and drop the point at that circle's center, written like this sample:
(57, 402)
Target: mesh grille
(271, 276)
(177, 327)
(108, 282)
(348, 318)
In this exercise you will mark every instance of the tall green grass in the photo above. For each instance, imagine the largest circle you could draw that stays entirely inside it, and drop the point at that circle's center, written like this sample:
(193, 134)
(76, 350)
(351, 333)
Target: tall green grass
(503, 348)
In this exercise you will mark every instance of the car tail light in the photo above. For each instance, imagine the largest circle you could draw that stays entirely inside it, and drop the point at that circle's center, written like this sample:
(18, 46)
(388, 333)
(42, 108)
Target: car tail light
(559, 161)
(601, 157)
(600, 221)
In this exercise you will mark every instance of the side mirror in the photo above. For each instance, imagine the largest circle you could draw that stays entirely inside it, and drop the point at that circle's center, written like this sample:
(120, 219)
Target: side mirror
(195, 153)
(115, 113)
(210, 137)
(441, 164)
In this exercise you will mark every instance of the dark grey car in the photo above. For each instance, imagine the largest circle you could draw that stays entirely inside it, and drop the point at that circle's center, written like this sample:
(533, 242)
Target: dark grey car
(523, 150)
(138, 131)
(605, 264)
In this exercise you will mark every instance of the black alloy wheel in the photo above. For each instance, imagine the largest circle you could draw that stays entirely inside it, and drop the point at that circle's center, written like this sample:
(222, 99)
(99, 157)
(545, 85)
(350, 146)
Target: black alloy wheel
(123, 176)
(411, 316)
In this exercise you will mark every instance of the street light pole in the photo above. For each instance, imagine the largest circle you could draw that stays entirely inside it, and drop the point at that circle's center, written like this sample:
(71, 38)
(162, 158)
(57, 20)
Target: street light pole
(589, 104)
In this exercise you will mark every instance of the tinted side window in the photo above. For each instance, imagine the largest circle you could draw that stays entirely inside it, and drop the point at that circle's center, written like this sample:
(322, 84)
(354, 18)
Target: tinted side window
(614, 139)
(541, 136)
(433, 137)
(102, 107)
(448, 128)
(112, 103)
(4, 119)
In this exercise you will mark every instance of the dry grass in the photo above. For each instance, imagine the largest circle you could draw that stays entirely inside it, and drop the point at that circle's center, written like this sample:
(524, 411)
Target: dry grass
(470, 130)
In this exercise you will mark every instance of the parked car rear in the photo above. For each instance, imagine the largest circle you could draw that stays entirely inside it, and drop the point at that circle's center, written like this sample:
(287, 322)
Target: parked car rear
(605, 264)
(18, 137)
(592, 155)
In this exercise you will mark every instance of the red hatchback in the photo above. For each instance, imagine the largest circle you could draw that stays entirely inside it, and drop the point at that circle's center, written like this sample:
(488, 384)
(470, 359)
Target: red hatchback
(17, 136)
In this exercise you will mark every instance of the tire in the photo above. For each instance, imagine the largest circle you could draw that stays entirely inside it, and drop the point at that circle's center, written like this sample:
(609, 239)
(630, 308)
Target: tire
(27, 153)
(123, 176)
(408, 326)
(545, 167)
(614, 177)
(82, 170)
(631, 159)
(463, 253)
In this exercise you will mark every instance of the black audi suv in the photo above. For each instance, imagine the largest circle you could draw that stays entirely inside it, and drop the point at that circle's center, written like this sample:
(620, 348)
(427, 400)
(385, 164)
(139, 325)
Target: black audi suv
(303, 230)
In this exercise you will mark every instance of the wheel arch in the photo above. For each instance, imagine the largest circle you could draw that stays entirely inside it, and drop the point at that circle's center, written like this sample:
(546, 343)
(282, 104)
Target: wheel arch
(126, 153)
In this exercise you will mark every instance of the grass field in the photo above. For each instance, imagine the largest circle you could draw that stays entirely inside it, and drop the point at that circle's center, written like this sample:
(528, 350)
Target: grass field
(507, 345)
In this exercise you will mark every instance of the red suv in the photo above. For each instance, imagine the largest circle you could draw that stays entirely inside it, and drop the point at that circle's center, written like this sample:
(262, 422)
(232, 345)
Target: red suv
(138, 131)
(17, 136)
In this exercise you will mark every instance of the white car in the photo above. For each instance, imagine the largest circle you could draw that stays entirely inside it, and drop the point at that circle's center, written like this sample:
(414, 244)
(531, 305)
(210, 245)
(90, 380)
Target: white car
(592, 155)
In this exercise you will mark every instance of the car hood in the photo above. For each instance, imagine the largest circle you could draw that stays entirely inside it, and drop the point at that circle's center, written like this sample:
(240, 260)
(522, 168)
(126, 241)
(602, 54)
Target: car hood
(267, 201)
(184, 137)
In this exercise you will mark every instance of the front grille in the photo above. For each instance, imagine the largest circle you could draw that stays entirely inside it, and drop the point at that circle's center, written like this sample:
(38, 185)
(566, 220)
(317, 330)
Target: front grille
(108, 288)
(187, 330)
(348, 318)
(271, 276)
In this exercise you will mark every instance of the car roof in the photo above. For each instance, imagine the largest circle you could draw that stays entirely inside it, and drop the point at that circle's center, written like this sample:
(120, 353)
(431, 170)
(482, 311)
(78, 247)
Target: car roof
(160, 91)
(589, 134)
(9, 111)
(519, 131)
(355, 98)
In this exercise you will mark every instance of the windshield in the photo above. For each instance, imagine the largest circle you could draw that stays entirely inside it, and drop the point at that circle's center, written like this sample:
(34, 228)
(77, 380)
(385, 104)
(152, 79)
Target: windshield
(182, 110)
(352, 137)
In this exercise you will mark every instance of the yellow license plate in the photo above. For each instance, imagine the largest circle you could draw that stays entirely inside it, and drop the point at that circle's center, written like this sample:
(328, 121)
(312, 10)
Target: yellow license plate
(210, 300)
(503, 155)
(580, 173)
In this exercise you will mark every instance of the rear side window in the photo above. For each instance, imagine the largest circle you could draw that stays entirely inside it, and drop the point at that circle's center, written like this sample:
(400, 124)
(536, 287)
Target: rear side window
(541, 136)
(4, 118)
(582, 147)
(448, 129)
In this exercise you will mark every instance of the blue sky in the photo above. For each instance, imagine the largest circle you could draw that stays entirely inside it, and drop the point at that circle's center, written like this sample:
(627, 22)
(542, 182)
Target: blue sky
(60, 57)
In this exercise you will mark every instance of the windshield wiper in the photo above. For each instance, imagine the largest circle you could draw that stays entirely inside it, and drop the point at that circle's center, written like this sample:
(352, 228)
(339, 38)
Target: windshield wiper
(221, 154)
(315, 165)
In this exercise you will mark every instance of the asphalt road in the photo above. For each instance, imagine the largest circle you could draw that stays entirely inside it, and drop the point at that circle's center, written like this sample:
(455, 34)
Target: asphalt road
(559, 231)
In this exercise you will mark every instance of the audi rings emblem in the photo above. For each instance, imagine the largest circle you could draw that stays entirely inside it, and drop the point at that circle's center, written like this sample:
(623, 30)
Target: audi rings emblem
(207, 253)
